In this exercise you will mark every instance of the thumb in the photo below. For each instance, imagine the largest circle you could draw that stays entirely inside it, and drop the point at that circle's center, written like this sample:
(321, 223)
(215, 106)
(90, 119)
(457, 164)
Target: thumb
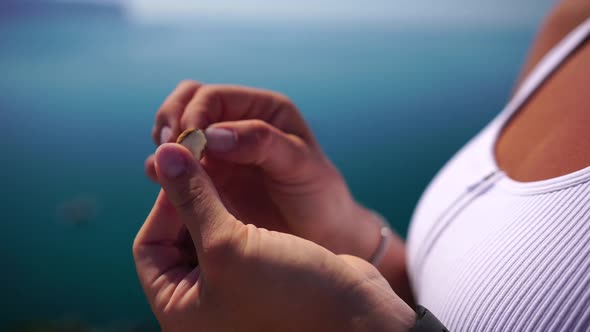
(190, 190)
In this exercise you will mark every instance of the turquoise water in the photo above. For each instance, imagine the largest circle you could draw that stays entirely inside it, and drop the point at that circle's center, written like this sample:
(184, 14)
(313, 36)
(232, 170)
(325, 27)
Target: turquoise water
(389, 104)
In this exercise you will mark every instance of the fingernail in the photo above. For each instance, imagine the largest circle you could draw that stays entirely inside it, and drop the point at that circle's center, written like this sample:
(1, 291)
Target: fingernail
(165, 134)
(171, 162)
(220, 140)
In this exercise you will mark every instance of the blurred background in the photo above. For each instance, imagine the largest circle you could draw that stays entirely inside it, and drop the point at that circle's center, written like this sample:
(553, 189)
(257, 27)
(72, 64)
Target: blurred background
(392, 88)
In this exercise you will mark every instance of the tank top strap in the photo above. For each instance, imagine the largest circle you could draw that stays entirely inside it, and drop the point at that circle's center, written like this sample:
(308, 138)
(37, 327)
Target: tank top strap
(546, 66)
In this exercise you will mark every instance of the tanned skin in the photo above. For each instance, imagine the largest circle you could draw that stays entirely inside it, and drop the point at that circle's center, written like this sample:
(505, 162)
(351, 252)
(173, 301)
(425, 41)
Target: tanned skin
(548, 136)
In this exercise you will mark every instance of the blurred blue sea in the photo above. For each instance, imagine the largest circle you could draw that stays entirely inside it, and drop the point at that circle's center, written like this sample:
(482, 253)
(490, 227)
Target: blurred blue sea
(390, 104)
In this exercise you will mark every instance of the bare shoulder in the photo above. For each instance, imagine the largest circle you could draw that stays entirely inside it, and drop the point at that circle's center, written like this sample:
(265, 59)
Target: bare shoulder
(565, 16)
(548, 138)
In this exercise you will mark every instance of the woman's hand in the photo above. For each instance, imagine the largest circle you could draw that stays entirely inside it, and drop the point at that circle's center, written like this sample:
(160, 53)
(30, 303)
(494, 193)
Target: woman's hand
(247, 278)
(267, 166)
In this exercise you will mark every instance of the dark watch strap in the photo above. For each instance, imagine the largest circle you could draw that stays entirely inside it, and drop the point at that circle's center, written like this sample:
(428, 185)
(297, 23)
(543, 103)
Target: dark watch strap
(427, 322)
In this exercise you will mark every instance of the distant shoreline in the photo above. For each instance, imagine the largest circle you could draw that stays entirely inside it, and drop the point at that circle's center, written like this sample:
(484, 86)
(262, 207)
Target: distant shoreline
(31, 8)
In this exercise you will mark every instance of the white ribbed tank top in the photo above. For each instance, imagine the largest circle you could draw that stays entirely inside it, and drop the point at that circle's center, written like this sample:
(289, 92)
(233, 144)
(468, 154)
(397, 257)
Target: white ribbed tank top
(488, 253)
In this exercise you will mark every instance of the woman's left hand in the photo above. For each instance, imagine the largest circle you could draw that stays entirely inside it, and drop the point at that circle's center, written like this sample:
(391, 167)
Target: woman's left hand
(247, 278)
(266, 165)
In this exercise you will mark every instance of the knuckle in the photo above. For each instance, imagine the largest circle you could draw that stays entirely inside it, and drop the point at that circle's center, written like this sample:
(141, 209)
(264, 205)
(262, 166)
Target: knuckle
(224, 249)
(300, 147)
(221, 245)
(197, 191)
(135, 248)
(169, 108)
(187, 121)
(283, 102)
(209, 91)
(156, 134)
(187, 84)
(263, 133)
(212, 96)
(162, 114)
(249, 242)
(193, 196)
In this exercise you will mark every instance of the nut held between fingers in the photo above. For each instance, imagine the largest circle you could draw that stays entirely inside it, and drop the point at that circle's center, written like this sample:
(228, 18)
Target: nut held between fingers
(194, 140)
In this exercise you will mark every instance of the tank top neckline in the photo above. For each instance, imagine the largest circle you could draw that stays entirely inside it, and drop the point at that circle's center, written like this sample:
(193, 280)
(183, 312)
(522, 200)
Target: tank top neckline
(543, 70)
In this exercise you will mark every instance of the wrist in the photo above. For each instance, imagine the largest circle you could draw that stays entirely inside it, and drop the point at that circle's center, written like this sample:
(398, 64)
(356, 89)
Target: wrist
(374, 237)
(355, 232)
(393, 267)
(392, 263)
(388, 312)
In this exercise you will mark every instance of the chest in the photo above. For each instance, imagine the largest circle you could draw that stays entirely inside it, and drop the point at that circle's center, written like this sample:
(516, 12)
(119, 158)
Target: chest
(500, 240)
(482, 247)
(517, 264)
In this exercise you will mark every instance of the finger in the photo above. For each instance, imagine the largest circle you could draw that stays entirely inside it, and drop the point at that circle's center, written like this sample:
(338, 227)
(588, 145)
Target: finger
(167, 126)
(162, 225)
(256, 142)
(150, 168)
(217, 103)
(192, 193)
(159, 247)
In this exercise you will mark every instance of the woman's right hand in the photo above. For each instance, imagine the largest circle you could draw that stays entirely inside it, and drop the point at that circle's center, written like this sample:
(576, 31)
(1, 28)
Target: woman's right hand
(267, 166)
(248, 278)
